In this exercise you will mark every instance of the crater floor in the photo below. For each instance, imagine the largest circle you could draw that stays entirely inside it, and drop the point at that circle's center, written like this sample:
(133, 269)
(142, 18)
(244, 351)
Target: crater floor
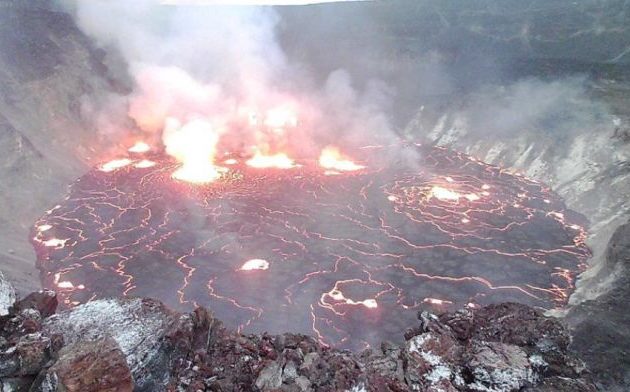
(348, 257)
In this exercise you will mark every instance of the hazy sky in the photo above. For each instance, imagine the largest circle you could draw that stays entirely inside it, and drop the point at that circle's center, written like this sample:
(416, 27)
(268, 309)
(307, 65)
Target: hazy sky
(257, 2)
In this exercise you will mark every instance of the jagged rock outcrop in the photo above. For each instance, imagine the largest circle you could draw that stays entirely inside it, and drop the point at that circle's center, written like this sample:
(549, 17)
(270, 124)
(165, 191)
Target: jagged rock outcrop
(139, 344)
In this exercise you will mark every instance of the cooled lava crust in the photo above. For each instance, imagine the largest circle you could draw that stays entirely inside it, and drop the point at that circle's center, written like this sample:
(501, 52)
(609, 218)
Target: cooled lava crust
(348, 257)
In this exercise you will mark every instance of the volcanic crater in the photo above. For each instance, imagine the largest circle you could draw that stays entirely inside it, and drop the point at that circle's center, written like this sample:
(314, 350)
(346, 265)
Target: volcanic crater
(349, 257)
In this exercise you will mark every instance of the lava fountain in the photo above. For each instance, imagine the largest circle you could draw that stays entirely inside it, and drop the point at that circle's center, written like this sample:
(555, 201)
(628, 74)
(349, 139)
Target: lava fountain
(349, 258)
(194, 145)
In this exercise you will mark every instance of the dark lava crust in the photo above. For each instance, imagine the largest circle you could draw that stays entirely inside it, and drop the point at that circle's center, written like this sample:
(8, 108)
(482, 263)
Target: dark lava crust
(351, 257)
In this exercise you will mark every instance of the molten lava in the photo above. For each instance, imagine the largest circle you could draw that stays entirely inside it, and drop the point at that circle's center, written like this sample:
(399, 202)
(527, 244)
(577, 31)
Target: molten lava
(115, 164)
(194, 145)
(277, 161)
(445, 194)
(331, 158)
(144, 164)
(349, 258)
(139, 148)
(255, 264)
(54, 242)
(198, 172)
(65, 284)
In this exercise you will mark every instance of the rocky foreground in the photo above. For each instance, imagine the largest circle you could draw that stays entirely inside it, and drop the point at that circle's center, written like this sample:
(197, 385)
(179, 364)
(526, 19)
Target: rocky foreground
(139, 344)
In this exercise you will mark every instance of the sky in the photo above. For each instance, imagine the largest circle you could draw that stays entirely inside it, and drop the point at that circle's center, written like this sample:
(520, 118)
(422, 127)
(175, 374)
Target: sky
(252, 2)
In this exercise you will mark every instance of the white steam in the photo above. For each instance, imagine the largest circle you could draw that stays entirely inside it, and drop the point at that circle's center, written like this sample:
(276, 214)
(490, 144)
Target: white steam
(222, 65)
(559, 108)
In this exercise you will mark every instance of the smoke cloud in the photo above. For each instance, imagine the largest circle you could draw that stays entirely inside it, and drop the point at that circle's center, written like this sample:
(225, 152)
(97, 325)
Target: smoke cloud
(557, 108)
(232, 66)
(222, 66)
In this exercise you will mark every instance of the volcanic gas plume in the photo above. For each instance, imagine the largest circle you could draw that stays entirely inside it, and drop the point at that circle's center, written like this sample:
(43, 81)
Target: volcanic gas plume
(341, 246)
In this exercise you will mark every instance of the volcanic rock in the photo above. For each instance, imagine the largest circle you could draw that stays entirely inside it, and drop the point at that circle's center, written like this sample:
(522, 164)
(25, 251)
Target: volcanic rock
(10, 384)
(510, 323)
(432, 361)
(45, 302)
(555, 384)
(138, 326)
(498, 367)
(88, 366)
(139, 344)
(24, 348)
(33, 352)
(23, 357)
(7, 295)
(270, 377)
(385, 368)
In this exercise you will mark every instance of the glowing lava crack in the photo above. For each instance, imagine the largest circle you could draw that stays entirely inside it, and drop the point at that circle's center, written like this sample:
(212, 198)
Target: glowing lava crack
(349, 258)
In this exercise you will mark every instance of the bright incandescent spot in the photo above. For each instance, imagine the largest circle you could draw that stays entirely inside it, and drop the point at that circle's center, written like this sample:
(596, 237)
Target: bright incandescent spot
(349, 257)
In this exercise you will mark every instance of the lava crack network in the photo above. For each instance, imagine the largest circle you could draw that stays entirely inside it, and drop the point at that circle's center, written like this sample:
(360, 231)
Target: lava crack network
(350, 258)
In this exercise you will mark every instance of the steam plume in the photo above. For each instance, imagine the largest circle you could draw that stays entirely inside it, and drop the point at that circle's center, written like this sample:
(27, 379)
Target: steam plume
(220, 66)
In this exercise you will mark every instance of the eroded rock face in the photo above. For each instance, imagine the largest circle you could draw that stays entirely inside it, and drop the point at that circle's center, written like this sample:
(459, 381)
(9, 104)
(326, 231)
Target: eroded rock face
(139, 344)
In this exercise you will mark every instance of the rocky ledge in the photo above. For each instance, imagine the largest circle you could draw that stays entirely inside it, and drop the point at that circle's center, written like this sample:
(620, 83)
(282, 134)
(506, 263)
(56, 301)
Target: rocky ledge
(139, 344)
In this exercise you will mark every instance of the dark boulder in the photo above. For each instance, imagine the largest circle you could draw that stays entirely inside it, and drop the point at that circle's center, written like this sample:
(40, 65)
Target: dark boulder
(45, 302)
(88, 366)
